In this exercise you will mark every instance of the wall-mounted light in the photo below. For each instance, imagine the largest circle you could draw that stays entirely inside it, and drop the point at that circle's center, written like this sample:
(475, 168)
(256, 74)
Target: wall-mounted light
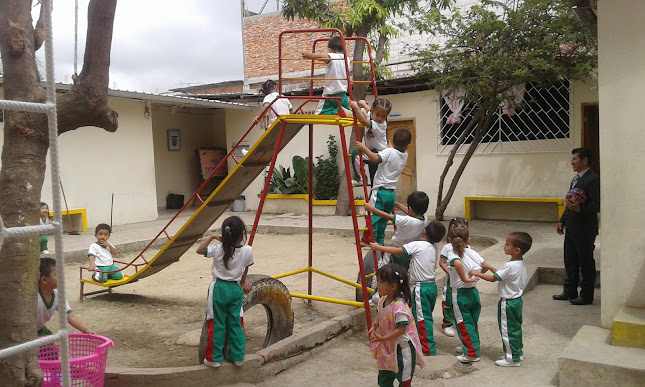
(146, 110)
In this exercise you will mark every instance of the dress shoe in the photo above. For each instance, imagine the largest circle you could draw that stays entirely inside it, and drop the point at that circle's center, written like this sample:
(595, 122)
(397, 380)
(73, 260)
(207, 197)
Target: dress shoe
(564, 297)
(580, 301)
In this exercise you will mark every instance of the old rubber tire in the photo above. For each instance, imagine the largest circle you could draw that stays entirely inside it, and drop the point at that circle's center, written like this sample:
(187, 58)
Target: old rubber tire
(368, 264)
(276, 300)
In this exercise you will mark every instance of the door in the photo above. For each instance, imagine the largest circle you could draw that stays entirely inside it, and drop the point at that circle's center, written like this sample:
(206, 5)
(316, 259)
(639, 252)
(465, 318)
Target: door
(408, 180)
(590, 126)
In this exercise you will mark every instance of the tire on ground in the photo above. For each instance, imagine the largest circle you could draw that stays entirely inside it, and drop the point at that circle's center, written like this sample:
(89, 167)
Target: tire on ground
(276, 300)
(368, 264)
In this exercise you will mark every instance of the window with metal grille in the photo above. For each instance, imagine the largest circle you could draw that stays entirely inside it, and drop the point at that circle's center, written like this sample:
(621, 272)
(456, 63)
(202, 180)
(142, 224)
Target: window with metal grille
(540, 124)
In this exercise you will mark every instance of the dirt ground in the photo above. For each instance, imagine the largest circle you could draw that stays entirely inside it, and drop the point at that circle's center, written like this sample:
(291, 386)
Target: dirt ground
(156, 322)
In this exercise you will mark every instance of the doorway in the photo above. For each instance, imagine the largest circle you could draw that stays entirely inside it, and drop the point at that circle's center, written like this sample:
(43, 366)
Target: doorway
(408, 180)
(590, 127)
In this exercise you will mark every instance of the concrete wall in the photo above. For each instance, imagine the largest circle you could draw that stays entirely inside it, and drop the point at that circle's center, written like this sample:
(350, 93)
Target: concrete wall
(178, 172)
(621, 82)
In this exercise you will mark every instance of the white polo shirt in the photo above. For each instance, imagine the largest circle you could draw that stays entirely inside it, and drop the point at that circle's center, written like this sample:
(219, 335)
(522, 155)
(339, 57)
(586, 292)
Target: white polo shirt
(335, 69)
(423, 261)
(512, 279)
(241, 259)
(102, 255)
(376, 135)
(392, 162)
(282, 106)
(471, 260)
(45, 312)
(408, 229)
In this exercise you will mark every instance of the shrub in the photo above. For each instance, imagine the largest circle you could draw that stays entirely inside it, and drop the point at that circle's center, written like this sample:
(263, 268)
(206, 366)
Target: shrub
(286, 184)
(326, 174)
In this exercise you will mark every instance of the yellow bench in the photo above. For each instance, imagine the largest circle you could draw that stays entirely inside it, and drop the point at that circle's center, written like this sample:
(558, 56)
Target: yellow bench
(79, 211)
(468, 199)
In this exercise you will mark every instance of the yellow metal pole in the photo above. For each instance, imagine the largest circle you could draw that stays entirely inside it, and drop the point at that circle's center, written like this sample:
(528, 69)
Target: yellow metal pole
(292, 273)
(350, 283)
(327, 299)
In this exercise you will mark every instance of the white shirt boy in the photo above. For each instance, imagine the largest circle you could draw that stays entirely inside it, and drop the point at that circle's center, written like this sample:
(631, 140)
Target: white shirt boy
(392, 162)
(376, 135)
(512, 279)
(423, 260)
(335, 69)
(102, 255)
(45, 312)
(282, 106)
(471, 261)
(408, 229)
(241, 259)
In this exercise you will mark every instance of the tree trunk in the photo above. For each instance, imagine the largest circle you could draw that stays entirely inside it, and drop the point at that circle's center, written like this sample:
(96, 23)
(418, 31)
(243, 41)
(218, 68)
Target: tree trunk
(359, 92)
(24, 153)
(482, 126)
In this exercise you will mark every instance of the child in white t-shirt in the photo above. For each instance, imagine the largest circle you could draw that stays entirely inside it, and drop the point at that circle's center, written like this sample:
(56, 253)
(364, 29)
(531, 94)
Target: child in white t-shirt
(48, 299)
(512, 281)
(375, 123)
(101, 254)
(336, 74)
(231, 261)
(446, 294)
(282, 106)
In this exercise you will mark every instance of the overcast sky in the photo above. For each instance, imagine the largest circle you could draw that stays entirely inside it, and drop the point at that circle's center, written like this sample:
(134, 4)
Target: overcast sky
(160, 44)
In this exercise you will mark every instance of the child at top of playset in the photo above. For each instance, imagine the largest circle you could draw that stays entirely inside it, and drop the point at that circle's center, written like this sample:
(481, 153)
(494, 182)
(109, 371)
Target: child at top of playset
(100, 255)
(282, 106)
(336, 74)
(48, 299)
(382, 196)
(375, 123)
(512, 282)
(423, 255)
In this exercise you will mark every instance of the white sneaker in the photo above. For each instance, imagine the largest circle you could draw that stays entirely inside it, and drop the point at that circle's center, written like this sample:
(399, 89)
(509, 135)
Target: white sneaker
(238, 363)
(504, 357)
(214, 364)
(467, 359)
(506, 363)
(357, 182)
(459, 349)
(448, 331)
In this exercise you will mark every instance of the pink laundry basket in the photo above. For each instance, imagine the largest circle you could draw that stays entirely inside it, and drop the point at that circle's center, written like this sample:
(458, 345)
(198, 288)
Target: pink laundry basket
(87, 359)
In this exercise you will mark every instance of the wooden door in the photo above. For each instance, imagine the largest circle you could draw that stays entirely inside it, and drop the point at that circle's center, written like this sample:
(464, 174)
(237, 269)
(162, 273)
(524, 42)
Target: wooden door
(590, 126)
(408, 180)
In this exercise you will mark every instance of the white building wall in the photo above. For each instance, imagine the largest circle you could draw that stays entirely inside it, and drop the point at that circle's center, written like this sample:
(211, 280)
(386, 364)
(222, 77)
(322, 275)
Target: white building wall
(621, 81)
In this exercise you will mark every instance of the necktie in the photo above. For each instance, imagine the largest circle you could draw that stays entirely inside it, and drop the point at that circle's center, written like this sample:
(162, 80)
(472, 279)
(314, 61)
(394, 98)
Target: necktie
(575, 180)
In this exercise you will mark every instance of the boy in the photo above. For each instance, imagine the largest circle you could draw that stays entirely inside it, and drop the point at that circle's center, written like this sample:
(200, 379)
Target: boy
(336, 85)
(48, 299)
(100, 255)
(409, 227)
(382, 197)
(422, 274)
(512, 281)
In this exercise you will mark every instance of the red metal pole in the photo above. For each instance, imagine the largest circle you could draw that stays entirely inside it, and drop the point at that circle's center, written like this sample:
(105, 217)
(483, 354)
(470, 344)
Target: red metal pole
(311, 207)
(266, 182)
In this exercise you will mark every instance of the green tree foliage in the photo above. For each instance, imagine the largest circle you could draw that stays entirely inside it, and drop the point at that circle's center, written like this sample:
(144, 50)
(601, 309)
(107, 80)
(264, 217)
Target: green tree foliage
(284, 183)
(326, 174)
(494, 46)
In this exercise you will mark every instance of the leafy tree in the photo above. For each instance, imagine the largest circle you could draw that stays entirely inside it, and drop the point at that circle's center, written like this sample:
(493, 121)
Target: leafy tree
(25, 147)
(366, 18)
(492, 47)
(326, 175)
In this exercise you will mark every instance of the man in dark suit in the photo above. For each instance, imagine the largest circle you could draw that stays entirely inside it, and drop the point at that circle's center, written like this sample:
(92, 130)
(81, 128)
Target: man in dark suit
(579, 224)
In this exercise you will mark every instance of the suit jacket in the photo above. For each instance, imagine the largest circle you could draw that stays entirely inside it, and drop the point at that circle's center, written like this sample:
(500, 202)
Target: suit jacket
(585, 222)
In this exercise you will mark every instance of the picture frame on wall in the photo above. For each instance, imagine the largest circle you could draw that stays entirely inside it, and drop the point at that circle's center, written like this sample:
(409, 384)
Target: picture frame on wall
(174, 140)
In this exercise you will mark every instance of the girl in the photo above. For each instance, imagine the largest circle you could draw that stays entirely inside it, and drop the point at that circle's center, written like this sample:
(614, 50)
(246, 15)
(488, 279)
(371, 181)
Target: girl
(44, 219)
(394, 338)
(446, 307)
(375, 137)
(282, 106)
(465, 297)
(231, 261)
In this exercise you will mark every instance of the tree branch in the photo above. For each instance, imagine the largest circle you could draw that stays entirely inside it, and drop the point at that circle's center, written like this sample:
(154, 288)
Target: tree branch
(39, 34)
(380, 49)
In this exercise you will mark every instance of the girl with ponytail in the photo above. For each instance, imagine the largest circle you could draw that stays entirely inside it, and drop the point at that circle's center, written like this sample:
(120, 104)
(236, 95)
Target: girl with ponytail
(231, 261)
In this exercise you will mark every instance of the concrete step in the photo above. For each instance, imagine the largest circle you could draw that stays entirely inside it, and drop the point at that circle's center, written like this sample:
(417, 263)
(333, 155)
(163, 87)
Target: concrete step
(628, 329)
(590, 360)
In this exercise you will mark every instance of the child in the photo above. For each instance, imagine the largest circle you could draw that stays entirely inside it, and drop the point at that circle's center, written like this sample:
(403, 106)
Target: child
(48, 299)
(448, 316)
(394, 341)
(408, 227)
(465, 297)
(512, 281)
(375, 136)
(44, 219)
(231, 261)
(101, 255)
(422, 274)
(336, 72)
(391, 163)
(282, 106)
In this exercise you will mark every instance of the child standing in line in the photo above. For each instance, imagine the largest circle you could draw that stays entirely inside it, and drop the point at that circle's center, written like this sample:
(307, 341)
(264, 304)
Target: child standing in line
(391, 163)
(282, 106)
(375, 135)
(231, 261)
(512, 281)
(394, 341)
(422, 274)
(48, 299)
(44, 219)
(336, 85)
(101, 255)
(446, 294)
(465, 297)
